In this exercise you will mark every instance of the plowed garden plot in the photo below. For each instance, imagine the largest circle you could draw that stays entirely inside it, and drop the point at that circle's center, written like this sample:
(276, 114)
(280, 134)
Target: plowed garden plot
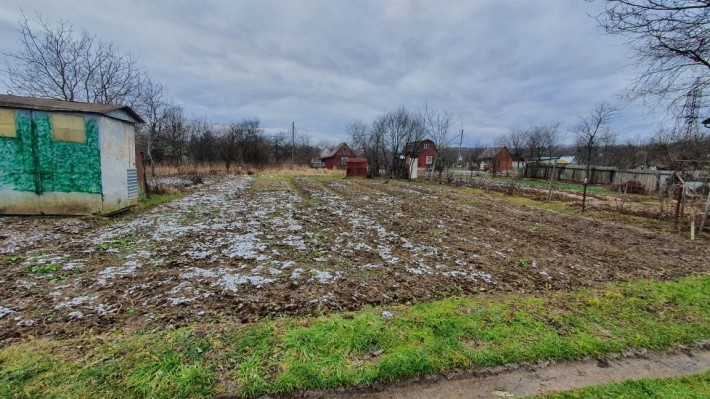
(244, 248)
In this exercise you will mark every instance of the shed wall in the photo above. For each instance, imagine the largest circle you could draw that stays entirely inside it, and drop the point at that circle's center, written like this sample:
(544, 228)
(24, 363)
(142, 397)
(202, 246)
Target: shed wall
(41, 175)
(118, 157)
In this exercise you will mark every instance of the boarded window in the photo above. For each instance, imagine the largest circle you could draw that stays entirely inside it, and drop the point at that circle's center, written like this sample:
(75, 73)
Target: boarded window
(7, 123)
(429, 160)
(69, 128)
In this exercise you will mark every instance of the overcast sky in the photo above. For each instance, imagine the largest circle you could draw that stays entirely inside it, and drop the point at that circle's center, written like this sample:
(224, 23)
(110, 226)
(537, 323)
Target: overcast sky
(321, 64)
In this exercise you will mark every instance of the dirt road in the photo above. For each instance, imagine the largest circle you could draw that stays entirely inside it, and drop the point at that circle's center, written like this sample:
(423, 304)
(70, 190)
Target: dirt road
(537, 381)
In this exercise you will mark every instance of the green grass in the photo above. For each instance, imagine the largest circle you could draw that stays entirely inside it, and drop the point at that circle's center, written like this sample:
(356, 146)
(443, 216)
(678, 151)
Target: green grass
(153, 200)
(43, 269)
(348, 349)
(12, 259)
(692, 387)
(546, 184)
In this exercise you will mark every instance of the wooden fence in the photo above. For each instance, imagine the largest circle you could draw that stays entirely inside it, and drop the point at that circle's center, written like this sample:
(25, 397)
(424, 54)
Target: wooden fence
(653, 180)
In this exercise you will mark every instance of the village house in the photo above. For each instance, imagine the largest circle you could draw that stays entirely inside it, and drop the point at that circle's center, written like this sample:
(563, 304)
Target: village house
(496, 159)
(66, 158)
(424, 150)
(336, 157)
(563, 160)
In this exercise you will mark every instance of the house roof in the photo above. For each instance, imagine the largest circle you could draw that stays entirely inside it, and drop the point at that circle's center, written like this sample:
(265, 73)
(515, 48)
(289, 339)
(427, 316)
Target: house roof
(330, 152)
(567, 159)
(46, 104)
(491, 152)
(413, 145)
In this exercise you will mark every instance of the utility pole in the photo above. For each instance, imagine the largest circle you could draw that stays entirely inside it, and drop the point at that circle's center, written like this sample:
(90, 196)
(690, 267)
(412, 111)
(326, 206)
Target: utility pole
(460, 144)
(293, 138)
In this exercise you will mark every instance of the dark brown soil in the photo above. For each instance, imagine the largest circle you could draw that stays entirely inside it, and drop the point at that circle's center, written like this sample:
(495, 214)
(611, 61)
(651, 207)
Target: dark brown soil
(244, 249)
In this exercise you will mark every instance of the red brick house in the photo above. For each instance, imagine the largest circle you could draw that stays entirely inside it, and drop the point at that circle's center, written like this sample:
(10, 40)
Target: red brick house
(336, 157)
(496, 159)
(426, 151)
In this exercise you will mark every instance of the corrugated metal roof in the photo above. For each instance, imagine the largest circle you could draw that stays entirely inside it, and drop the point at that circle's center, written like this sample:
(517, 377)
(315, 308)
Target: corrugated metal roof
(45, 104)
(491, 152)
(330, 152)
(412, 146)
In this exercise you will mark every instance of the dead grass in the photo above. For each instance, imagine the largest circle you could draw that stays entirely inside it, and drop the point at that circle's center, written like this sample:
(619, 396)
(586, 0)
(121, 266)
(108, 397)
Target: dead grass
(219, 168)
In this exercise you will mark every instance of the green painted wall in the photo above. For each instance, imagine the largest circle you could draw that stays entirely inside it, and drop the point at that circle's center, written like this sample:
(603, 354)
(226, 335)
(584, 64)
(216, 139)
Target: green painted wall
(16, 159)
(33, 162)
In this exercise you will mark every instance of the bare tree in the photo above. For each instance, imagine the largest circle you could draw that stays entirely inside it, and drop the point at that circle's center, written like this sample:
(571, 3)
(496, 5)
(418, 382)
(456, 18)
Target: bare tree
(671, 43)
(369, 142)
(593, 133)
(534, 142)
(152, 106)
(175, 134)
(398, 128)
(115, 78)
(438, 127)
(56, 62)
(281, 145)
(201, 147)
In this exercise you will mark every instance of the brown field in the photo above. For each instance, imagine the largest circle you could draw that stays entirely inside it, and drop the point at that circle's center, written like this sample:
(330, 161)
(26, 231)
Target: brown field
(249, 247)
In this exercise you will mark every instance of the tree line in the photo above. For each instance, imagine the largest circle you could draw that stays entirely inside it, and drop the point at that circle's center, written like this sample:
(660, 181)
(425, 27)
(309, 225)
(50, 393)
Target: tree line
(393, 135)
(668, 38)
(593, 141)
(56, 61)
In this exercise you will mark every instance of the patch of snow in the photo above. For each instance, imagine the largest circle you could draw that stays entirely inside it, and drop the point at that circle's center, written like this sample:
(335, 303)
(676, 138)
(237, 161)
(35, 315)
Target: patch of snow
(5, 311)
(418, 271)
(246, 246)
(72, 265)
(385, 253)
(103, 309)
(76, 315)
(180, 287)
(110, 272)
(371, 266)
(25, 284)
(180, 300)
(296, 242)
(198, 255)
(75, 302)
(227, 279)
(324, 277)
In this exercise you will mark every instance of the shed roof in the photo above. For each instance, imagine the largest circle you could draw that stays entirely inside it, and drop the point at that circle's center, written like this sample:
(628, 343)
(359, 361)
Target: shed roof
(46, 104)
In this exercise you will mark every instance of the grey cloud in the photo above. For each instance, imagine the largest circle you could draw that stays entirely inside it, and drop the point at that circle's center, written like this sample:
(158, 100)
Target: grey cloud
(324, 63)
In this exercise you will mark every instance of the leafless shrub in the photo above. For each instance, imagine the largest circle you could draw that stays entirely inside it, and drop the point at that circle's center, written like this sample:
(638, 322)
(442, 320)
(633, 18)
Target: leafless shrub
(450, 176)
(197, 178)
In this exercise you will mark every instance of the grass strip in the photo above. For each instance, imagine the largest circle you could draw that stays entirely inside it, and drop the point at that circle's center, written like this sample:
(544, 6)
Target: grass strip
(546, 184)
(691, 387)
(289, 354)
